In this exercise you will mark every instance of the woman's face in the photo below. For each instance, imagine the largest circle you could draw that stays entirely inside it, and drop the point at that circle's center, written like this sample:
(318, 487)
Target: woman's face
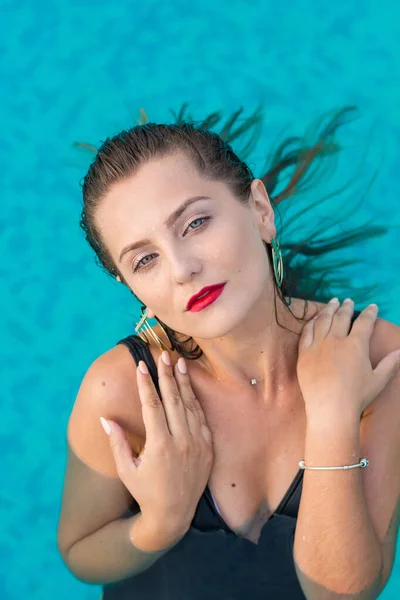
(215, 239)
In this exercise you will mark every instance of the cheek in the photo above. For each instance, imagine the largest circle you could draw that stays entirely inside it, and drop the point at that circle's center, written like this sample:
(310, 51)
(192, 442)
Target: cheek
(155, 292)
(152, 292)
(245, 249)
(231, 239)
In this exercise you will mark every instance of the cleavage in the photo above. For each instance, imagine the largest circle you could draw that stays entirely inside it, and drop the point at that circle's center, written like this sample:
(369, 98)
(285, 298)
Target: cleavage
(246, 514)
(248, 488)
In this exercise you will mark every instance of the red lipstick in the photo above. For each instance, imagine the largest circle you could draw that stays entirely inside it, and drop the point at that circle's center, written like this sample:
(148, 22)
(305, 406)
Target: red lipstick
(206, 296)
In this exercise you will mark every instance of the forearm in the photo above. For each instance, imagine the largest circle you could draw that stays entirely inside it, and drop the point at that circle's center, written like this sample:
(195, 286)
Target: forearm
(111, 554)
(337, 554)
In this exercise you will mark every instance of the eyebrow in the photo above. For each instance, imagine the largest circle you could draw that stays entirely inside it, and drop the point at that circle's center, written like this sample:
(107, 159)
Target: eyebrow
(168, 223)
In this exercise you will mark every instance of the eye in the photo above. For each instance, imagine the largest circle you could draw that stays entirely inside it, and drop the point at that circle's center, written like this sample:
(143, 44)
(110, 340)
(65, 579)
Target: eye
(137, 267)
(141, 261)
(203, 219)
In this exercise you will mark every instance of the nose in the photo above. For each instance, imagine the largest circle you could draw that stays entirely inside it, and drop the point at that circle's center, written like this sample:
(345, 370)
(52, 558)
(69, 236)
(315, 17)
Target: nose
(183, 266)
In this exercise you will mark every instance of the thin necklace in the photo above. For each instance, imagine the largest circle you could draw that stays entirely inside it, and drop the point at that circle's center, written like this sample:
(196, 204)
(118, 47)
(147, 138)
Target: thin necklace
(255, 381)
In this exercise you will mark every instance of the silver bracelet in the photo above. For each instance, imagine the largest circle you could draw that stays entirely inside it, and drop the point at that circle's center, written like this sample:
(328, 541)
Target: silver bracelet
(364, 462)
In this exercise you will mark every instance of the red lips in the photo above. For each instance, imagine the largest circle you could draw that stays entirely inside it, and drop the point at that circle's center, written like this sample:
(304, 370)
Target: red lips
(208, 288)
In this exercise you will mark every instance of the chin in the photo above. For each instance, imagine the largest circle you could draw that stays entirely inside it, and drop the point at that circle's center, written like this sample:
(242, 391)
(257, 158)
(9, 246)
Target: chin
(219, 324)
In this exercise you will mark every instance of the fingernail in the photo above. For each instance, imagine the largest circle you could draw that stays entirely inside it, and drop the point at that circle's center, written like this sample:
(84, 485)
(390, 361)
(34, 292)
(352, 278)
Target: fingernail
(347, 300)
(333, 300)
(106, 425)
(374, 305)
(165, 358)
(143, 367)
(182, 365)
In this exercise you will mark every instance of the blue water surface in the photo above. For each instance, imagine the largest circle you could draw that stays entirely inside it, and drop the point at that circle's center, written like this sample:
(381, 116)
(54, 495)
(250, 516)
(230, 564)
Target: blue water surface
(81, 70)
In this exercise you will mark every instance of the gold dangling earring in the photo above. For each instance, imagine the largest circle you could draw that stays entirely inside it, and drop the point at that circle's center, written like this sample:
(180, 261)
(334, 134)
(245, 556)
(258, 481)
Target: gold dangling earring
(146, 329)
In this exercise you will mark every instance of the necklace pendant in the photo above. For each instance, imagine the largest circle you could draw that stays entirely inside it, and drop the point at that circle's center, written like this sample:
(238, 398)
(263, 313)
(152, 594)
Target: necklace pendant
(253, 382)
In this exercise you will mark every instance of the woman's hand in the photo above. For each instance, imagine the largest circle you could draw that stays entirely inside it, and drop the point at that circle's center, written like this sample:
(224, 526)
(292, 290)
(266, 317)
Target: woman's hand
(333, 369)
(170, 474)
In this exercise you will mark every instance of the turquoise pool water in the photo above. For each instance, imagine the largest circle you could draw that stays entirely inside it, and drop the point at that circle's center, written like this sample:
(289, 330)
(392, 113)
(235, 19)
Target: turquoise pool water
(81, 70)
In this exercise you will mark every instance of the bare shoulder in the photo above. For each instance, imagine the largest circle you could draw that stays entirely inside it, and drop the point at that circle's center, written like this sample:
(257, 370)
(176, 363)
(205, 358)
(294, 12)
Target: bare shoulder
(384, 339)
(380, 443)
(109, 389)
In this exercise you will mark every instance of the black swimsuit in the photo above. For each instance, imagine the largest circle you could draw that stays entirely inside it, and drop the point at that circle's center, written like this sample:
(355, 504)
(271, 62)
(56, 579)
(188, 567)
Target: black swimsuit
(211, 562)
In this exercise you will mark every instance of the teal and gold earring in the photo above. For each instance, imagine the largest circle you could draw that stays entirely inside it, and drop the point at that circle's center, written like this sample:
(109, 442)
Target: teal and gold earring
(145, 331)
(278, 261)
(278, 266)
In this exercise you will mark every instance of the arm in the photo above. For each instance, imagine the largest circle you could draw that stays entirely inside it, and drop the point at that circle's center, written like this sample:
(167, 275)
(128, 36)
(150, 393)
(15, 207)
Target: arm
(336, 551)
(112, 551)
(348, 520)
(99, 540)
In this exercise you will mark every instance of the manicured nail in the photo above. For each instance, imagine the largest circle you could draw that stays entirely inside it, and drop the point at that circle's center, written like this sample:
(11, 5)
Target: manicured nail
(347, 300)
(333, 300)
(143, 367)
(374, 305)
(182, 365)
(165, 358)
(106, 425)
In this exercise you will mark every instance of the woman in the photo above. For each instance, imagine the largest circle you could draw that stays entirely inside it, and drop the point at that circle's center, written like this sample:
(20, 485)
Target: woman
(195, 487)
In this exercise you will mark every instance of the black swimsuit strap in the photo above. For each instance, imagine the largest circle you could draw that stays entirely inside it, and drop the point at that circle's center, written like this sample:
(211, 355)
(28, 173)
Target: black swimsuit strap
(141, 351)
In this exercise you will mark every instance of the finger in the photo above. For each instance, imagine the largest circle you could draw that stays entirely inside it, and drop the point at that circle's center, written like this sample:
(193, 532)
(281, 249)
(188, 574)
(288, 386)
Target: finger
(307, 335)
(153, 413)
(323, 320)
(207, 435)
(173, 404)
(194, 412)
(364, 324)
(342, 319)
(122, 453)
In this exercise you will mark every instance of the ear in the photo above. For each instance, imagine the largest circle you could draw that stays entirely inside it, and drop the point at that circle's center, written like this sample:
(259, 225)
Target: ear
(264, 212)
(150, 314)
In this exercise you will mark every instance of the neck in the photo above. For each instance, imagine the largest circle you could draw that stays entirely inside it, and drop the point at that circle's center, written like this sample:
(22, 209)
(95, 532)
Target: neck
(258, 348)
